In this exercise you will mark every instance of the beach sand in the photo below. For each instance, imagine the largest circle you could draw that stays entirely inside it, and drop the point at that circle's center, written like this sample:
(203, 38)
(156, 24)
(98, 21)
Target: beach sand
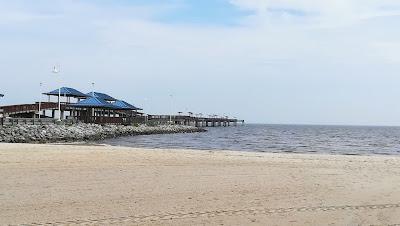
(103, 185)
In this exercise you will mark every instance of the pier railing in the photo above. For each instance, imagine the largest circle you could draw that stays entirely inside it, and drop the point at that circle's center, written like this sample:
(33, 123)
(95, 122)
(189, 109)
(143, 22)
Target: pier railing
(193, 121)
(121, 120)
(33, 121)
(15, 109)
(102, 120)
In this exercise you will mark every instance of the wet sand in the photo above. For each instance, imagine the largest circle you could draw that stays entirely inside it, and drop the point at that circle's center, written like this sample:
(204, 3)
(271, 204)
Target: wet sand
(103, 185)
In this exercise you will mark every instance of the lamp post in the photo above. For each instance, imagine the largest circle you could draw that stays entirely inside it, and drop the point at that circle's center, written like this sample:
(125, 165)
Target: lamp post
(146, 115)
(93, 110)
(170, 116)
(40, 97)
(1, 112)
(56, 71)
(92, 89)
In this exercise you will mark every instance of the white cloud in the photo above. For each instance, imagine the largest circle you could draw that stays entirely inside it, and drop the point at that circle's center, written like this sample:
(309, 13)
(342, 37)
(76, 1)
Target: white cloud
(17, 12)
(323, 13)
(389, 51)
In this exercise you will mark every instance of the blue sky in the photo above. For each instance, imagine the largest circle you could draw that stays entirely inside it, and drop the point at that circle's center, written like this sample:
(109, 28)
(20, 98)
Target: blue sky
(269, 61)
(208, 12)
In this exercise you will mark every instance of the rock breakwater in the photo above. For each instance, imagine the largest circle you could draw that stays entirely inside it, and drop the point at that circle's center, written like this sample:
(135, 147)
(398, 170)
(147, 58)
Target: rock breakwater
(83, 132)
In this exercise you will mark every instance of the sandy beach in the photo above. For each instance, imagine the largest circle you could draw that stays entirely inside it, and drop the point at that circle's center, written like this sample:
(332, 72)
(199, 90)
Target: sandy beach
(103, 185)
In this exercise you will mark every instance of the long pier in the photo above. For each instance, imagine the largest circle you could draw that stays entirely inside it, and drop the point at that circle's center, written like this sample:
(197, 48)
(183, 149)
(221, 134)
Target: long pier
(151, 120)
(27, 114)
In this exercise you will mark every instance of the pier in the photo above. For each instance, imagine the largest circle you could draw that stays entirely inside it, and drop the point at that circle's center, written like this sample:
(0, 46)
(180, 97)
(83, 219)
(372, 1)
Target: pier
(29, 114)
(73, 106)
(195, 121)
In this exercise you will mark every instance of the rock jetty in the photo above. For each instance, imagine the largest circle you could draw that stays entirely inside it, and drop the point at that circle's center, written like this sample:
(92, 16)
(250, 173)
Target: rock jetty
(83, 132)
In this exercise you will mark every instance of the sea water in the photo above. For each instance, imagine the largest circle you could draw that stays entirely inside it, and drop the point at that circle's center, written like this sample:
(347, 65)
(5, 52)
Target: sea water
(348, 140)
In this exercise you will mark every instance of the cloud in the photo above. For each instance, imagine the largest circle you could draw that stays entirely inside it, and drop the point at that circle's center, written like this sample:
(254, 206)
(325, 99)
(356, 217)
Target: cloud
(19, 11)
(389, 51)
(322, 13)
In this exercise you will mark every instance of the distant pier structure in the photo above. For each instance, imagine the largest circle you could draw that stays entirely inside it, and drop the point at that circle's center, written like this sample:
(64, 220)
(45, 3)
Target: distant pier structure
(72, 106)
(195, 121)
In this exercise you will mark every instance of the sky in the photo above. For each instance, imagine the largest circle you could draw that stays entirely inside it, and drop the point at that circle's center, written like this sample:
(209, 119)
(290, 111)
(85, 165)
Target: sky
(264, 61)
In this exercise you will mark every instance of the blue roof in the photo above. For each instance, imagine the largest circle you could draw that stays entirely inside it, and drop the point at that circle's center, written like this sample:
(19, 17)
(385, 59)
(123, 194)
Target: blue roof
(125, 105)
(66, 91)
(94, 102)
(101, 96)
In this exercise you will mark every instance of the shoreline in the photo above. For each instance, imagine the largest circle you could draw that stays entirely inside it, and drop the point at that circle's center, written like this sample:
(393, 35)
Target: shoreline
(223, 151)
(227, 153)
(73, 184)
(235, 151)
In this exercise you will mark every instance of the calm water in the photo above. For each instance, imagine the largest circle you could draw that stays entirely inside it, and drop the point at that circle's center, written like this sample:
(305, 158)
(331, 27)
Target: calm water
(349, 140)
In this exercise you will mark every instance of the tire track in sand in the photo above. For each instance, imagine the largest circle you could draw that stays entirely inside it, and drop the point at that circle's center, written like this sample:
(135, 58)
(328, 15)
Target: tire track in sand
(214, 213)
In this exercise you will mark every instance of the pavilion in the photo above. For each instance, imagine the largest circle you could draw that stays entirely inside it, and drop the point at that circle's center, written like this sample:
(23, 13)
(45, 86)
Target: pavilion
(93, 107)
(98, 110)
(67, 93)
(103, 96)
(125, 105)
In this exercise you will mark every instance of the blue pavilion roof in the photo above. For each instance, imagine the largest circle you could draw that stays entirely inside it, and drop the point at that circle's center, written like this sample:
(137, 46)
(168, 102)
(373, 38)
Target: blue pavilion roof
(94, 102)
(125, 105)
(101, 96)
(66, 91)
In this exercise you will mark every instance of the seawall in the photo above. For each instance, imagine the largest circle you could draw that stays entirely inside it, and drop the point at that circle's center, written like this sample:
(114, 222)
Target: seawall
(83, 132)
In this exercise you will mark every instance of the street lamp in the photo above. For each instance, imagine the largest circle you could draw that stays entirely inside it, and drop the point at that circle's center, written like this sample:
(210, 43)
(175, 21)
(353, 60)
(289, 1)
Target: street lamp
(170, 116)
(40, 98)
(92, 89)
(56, 70)
(146, 115)
(1, 110)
